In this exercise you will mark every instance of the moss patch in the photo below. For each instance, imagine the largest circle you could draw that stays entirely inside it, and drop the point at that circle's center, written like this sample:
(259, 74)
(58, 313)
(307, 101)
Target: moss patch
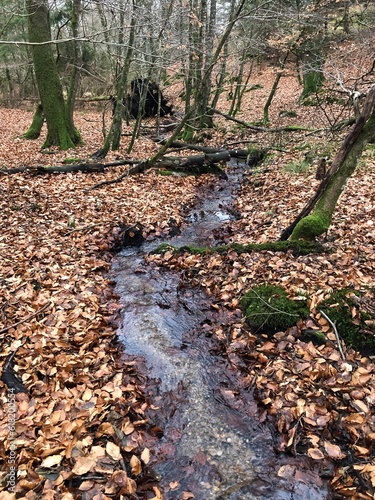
(268, 309)
(353, 313)
(310, 227)
(296, 247)
(256, 156)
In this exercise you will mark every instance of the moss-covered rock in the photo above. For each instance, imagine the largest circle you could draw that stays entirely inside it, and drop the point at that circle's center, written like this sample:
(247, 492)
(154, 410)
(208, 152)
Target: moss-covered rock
(353, 313)
(268, 309)
(311, 226)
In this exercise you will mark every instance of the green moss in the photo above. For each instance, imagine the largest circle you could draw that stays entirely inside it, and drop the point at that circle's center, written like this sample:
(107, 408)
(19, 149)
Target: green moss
(288, 112)
(310, 227)
(315, 336)
(163, 248)
(297, 167)
(256, 86)
(70, 161)
(297, 248)
(296, 128)
(268, 309)
(165, 172)
(352, 313)
(256, 155)
(33, 132)
(313, 81)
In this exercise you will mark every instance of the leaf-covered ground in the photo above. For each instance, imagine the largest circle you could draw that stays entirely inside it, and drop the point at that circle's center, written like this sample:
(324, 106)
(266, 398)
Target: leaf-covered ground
(80, 430)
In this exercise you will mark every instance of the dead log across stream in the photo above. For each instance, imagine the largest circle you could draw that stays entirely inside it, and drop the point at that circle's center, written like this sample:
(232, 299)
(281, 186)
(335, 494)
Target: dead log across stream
(198, 164)
(202, 163)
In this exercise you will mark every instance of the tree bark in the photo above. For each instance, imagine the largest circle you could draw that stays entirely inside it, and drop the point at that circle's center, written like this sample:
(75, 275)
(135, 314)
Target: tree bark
(60, 129)
(33, 132)
(310, 226)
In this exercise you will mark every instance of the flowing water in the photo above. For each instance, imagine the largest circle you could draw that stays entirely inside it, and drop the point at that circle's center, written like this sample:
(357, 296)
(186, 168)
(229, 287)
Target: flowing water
(211, 446)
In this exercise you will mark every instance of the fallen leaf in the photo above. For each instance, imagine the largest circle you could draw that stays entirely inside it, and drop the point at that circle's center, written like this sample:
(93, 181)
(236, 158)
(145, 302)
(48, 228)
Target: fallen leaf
(83, 465)
(113, 450)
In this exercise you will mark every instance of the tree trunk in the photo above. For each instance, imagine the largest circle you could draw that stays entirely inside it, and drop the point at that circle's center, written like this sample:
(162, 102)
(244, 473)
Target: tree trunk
(313, 58)
(113, 139)
(60, 129)
(33, 132)
(201, 114)
(310, 226)
(266, 119)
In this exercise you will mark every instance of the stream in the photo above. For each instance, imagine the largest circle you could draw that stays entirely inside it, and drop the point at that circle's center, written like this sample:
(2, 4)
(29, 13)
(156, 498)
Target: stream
(211, 446)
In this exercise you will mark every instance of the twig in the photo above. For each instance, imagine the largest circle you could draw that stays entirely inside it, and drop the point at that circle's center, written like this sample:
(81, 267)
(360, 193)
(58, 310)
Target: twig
(31, 316)
(108, 182)
(83, 228)
(336, 333)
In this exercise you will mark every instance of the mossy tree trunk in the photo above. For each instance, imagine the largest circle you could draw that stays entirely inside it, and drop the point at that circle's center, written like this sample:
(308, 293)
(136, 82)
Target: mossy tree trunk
(312, 54)
(60, 128)
(33, 132)
(310, 225)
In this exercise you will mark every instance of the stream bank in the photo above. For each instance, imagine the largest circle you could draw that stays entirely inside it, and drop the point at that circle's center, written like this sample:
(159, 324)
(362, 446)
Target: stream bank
(212, 446)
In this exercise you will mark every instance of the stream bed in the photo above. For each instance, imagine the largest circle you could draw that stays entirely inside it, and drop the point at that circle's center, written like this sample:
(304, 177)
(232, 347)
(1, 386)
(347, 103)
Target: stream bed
(212, 447)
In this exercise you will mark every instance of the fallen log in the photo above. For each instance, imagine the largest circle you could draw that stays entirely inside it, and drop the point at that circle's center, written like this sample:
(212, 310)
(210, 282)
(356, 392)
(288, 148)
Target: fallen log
(195, 164)
(234, 153)
(193, 160)
(86, 167)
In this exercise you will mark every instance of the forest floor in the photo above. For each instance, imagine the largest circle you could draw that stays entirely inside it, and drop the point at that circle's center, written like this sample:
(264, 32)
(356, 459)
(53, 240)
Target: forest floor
(80, 429)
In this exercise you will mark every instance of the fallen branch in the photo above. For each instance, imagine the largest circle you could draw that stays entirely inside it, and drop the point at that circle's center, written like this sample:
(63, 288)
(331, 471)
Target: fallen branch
(290, 128)
(83, 228)
(198, 162)
(134, 170)
(336, 333)
(85, 167)
(31, 316)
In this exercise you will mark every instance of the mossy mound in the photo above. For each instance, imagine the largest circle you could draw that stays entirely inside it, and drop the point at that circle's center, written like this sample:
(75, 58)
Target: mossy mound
(268, 309)
(300, 247)
(353, 313)
(256, 156)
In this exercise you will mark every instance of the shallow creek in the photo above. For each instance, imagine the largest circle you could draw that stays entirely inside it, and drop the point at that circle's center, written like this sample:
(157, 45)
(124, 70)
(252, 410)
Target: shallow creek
(211, 446)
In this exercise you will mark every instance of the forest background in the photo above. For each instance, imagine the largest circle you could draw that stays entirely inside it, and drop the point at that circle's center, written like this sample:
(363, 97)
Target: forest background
(289, 78)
